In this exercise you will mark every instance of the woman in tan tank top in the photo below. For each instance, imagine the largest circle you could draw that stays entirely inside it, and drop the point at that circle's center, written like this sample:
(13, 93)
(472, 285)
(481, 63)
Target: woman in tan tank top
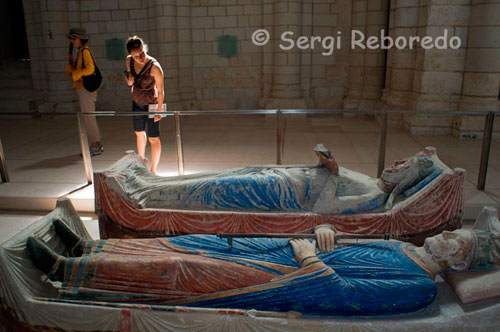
(145, 76)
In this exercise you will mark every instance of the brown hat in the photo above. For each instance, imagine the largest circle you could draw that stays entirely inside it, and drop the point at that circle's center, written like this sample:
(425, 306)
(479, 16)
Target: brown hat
(78, 32)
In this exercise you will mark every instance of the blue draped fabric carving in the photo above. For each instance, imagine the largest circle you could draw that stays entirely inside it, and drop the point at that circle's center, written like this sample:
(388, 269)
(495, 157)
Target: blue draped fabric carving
(369, 279)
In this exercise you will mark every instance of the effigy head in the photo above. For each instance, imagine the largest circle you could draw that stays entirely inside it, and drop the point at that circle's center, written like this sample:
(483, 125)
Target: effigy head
(405, 171)
(453, 250)
(391, 175)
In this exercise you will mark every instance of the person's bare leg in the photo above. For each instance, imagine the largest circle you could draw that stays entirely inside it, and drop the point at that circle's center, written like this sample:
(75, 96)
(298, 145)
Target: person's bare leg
(155, 153)
(141, 143)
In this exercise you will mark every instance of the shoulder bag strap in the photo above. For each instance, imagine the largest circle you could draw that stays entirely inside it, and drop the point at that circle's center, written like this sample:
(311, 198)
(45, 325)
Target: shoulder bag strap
(83, 60)
(148, 64)
(92, 56)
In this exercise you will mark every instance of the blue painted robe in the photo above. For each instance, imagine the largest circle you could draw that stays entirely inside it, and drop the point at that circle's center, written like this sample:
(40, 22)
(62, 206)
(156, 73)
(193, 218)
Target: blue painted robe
(375, 278)
(367, 279)
(250, 188)
(257, 188)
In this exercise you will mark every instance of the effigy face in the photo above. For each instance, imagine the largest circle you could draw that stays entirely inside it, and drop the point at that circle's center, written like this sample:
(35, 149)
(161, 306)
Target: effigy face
(393, 174)
(403, 174)
(451, 249)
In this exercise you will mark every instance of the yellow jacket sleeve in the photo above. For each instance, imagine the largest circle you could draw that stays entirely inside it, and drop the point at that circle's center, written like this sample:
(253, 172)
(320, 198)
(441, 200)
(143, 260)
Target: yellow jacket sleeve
(89, 66)
(69, 68)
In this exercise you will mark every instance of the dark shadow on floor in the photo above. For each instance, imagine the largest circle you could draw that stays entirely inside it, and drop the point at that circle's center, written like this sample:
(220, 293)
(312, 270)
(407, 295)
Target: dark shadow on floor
(55, 162)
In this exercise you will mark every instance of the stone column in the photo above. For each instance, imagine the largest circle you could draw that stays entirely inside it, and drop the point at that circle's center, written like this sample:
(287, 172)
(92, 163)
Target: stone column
(438, 73)
(482, 69)
(404, 21)
(286, 91)
(367, 67)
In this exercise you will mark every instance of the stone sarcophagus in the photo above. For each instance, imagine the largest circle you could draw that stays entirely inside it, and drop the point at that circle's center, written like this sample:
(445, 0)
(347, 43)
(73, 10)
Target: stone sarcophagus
(130, 204)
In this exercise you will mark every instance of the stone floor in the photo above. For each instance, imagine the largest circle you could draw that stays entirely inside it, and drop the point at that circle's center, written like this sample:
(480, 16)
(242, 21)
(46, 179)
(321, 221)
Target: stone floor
(43, 155)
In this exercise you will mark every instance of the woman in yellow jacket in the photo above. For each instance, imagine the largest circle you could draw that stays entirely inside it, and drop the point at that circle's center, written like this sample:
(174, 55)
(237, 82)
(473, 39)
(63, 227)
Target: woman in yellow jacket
(79, 68)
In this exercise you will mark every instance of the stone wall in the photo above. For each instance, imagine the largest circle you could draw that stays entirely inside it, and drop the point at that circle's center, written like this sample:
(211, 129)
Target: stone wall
(182, 35)
(441, 80)
(481, 85)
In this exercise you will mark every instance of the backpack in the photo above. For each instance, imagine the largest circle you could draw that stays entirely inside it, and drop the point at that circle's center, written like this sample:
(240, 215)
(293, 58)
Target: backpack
(93, 81)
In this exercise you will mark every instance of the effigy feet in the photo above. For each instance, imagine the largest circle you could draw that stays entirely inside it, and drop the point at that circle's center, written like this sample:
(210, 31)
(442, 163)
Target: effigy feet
(45, 258)
(327, 159)
(72, 241)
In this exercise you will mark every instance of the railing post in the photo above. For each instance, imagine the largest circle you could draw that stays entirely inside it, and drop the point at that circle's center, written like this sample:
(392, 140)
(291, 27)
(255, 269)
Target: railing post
(280, 135)
(178, 142)
(84, 145)
(3, 165)
(485, 151)
(382, 144)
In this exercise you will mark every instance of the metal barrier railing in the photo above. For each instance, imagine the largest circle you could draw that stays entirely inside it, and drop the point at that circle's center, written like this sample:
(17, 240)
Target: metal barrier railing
(280, 132)
(3, 165)
(382, 145)
(84, 145)
(485, 150)
(178, 144)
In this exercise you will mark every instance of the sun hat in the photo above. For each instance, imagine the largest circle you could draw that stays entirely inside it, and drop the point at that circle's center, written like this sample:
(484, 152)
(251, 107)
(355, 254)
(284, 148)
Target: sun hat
(78, 32)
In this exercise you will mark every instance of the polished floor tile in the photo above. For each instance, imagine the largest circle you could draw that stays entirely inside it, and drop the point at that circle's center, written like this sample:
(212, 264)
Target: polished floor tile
(44, 163)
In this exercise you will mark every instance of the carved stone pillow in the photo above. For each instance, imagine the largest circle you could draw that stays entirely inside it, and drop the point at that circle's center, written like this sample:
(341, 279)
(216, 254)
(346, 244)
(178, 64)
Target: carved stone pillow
(475, 286)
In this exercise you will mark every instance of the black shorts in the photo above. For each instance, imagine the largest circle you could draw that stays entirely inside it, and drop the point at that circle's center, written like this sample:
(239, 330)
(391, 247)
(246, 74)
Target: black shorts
(140, 121)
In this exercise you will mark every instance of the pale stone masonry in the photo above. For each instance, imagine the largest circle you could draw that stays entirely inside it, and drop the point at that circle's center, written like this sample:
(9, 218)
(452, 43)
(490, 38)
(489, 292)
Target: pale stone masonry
(182, 35)
(467, 78)
(367, 67)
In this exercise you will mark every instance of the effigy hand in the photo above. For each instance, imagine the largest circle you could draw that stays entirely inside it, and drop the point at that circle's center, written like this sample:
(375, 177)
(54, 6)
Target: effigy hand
(302, 249)
(325, 235)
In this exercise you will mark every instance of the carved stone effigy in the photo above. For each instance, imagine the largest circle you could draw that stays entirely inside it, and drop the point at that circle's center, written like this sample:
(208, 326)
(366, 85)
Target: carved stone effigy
(434, 205)
(31, 302)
